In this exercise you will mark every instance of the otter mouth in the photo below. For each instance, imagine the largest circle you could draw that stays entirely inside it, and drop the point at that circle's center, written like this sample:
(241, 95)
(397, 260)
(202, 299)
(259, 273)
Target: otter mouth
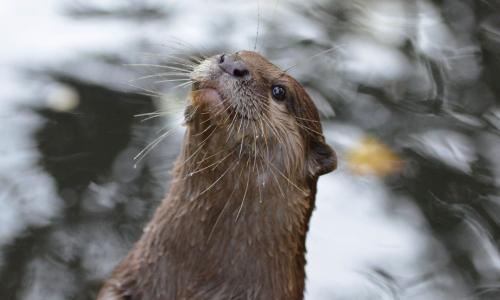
(207, 92)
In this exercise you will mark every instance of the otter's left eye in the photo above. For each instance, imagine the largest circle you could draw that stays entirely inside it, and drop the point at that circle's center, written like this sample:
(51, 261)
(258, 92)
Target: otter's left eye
(278, 92)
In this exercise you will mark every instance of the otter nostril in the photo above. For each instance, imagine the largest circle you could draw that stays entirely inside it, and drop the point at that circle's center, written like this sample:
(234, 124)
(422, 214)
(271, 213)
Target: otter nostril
(233, 66)
(240, 72)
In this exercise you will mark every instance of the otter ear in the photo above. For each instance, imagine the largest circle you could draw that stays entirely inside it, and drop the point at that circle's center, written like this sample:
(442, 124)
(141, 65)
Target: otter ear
(322, 158)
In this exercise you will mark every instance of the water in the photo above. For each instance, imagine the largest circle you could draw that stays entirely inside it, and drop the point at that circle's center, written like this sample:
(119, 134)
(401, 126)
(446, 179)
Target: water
(409, 97)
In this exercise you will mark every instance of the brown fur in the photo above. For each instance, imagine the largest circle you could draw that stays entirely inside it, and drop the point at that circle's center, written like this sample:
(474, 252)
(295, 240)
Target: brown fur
(234, 223)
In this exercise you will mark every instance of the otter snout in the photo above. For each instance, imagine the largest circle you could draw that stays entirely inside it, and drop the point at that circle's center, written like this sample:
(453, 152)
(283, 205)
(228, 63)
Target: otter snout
(233, 66)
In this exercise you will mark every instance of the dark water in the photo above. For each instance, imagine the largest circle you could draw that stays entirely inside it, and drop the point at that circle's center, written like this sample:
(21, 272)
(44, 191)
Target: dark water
(410, 98)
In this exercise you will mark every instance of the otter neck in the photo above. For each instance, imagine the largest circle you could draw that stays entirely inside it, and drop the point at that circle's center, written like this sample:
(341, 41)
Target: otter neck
(234, 223)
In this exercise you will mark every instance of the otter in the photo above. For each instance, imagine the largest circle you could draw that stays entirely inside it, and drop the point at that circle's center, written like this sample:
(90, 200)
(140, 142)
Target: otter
(234, 223)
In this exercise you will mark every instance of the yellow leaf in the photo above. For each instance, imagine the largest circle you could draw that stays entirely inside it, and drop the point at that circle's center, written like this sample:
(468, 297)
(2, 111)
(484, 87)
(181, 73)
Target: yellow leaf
(371, 157)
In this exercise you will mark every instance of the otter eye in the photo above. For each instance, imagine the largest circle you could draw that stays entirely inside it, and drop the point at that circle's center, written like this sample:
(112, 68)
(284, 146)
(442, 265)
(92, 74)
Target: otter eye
(278, 92)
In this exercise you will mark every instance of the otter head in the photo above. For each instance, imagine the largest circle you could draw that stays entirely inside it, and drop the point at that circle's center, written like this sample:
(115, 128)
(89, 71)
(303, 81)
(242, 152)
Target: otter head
(254, 108)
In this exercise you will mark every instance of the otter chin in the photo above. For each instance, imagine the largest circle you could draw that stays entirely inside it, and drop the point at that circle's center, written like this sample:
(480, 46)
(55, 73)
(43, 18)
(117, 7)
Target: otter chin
(234, 222)
(208, 96)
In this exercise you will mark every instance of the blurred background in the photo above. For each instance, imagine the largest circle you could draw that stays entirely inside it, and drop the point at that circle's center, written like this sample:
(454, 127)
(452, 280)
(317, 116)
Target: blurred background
(409, 95)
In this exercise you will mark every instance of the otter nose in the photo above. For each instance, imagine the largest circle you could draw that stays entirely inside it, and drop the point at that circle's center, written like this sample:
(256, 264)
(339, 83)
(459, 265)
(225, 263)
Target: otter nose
(232, 66)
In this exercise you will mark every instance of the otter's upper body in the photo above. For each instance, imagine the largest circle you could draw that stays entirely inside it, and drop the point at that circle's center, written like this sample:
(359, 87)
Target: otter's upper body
(234, 223)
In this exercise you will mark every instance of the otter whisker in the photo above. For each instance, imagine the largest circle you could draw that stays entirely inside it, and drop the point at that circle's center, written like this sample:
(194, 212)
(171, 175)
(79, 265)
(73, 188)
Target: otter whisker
(178, 68)
(232, 126)
(227, 116)
(245, 121)
(192, 167)
(277, 181)
(202, 143)
(159, 66)
(227, 107)
(225, 122)
(207, 120)
(239, 127)
(264, 135)
(162, 112)
(281, 140)
(149, 118)
(149, 92)
(268, 124)
(171, 57)
(215, 164)
(205, 157)
(280, 135)
(217, 180)
(148, 114)
(203, 131)
(220, 161)
(188, 65)
(309, 120)
(189, 115)
(223, 209)
(308, 128)
(158, 113)
(244, 197)
(174, 80)
(217, 113)
(194, 154)
(183, 84)
(274, 129)
(191, 59)
(313, 57)
(258, 177)
(258, 26)
(139, 156)
(241, 149)
(284, 176)
(220, 215)
(254, 146)
(177, 74)
(185, 44)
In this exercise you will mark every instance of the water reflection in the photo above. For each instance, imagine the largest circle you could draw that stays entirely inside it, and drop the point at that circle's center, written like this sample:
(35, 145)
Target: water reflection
(410, 85)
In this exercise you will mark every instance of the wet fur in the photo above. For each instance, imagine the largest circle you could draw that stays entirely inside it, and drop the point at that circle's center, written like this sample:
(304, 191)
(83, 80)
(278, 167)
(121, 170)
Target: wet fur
(234, 223)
